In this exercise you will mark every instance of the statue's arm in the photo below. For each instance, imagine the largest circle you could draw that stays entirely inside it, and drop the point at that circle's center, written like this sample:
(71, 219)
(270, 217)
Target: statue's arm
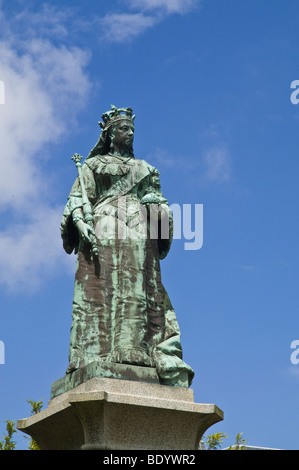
(73, 225)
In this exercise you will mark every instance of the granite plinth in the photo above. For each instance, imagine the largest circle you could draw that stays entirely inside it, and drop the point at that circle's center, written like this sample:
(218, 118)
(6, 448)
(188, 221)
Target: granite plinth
(107, 413)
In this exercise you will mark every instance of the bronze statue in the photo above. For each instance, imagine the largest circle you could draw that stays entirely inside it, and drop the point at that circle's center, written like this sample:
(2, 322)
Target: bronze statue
(121, 311)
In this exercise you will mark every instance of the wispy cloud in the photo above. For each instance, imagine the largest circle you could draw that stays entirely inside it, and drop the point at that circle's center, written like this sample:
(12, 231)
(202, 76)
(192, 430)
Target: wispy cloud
(162, 158)
(39, 88)
(216, 158)
(125, 26)
(167, 6)
(217, 163)
(42, 81)
(32, 251)
(248, 268)
(294, 371)
(49, 21)
(213, 166)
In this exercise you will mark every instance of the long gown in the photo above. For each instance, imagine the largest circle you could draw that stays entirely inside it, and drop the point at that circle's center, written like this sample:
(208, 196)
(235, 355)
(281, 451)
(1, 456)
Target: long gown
(121, 311)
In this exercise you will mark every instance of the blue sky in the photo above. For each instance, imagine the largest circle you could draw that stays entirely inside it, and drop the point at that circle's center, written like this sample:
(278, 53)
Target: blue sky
(210, 84)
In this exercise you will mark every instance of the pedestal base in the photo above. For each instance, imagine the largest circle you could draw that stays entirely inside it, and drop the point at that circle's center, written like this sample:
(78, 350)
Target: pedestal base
(115, 371)
(107, 413)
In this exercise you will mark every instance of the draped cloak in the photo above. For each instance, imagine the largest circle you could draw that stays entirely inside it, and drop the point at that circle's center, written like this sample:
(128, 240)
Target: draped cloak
(121, 311)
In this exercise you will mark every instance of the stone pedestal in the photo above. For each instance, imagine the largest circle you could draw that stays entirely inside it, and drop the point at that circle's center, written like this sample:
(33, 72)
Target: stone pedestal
(109, 413)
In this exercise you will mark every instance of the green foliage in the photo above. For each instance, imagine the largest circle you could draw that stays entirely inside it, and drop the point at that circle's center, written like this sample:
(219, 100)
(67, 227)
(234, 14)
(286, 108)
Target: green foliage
(239, 444)
(35, 408)
(214, 441)
(8, 443)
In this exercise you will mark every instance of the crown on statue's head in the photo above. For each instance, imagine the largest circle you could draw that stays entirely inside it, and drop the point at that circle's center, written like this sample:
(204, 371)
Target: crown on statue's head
(116, 114)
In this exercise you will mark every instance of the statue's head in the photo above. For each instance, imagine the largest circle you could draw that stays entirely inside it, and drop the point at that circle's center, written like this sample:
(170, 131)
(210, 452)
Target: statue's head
(117, 132)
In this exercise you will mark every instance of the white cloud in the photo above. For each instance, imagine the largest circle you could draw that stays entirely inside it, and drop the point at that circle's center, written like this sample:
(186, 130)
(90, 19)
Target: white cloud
(125, 26)
(32, 251)
(42, 83)
(48, 21)
(214, 166)
(40, 87)
(163, 158)
(217, 163)
(168, 6)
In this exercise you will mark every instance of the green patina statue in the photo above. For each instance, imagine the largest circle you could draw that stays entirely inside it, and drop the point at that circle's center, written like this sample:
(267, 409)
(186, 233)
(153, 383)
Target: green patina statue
(120, 225)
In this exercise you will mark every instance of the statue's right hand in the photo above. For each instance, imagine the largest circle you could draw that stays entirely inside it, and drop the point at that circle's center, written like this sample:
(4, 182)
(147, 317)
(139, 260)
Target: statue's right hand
(85, 231)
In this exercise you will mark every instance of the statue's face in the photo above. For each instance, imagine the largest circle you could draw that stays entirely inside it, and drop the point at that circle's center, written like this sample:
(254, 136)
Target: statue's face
(123, 135)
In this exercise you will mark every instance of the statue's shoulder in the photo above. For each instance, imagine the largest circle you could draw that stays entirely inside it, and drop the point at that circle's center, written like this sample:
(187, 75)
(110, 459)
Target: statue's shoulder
(145, 164)
(95, 162)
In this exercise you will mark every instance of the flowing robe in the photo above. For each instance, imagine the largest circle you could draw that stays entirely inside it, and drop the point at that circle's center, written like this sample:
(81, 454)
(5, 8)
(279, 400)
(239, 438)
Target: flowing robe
(121, 311)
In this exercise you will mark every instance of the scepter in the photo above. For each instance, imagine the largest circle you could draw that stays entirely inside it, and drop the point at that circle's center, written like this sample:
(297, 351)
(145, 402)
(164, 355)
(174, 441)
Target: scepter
(87, 208)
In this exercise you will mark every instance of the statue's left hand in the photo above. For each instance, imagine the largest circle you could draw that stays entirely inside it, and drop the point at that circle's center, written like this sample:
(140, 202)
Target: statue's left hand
(85, 231)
